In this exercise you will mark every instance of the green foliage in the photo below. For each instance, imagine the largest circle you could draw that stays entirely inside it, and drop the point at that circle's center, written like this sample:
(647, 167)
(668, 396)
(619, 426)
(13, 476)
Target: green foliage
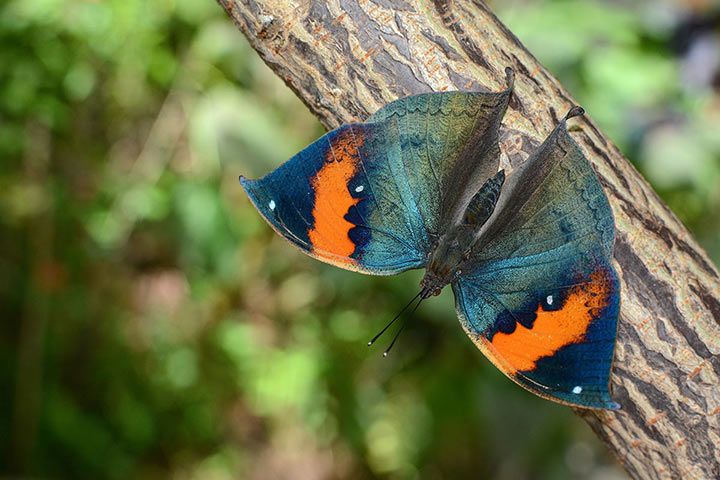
(155, 327)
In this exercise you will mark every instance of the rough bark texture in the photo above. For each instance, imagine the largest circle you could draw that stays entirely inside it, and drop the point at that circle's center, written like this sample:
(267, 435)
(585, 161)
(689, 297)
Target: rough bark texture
(347, 58)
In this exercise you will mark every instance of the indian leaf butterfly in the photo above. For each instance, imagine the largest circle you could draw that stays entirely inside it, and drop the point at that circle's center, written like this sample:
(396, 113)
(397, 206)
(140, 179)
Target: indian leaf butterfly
(528, 257)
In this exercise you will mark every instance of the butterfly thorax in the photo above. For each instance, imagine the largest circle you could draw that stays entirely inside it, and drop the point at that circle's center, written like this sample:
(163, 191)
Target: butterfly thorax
(446, 259)
(454, 248)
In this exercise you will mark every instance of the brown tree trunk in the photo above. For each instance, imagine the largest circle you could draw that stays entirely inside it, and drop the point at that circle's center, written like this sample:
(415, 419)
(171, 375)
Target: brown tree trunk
(347, 58)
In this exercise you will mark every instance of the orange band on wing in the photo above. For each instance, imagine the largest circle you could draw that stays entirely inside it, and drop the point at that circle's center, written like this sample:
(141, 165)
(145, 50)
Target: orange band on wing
(333, 199)
(553, 330)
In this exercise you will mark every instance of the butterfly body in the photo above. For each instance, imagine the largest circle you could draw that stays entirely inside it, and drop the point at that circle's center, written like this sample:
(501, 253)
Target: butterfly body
(528, 254)
(454, 248)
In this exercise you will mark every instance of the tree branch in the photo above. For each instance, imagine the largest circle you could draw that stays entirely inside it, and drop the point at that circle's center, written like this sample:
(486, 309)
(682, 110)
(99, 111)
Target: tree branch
(347, 58)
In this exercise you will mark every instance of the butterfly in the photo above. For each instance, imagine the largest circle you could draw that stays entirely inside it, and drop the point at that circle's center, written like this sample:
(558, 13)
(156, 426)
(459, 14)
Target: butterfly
(527, 253)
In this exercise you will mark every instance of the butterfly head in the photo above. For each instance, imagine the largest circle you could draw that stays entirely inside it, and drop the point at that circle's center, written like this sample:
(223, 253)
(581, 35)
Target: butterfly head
(430, 286)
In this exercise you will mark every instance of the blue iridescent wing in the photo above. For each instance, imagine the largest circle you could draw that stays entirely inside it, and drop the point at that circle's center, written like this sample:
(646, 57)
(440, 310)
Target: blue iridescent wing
(449, 146)
(542, 298)
(368, 196)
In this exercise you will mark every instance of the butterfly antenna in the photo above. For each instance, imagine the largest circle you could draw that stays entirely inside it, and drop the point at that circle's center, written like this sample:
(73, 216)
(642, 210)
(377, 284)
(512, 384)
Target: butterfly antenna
(394, 319)
(397, 334)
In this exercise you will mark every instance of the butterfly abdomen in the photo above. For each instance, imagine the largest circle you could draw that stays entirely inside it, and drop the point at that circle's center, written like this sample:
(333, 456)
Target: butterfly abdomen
(483, 203)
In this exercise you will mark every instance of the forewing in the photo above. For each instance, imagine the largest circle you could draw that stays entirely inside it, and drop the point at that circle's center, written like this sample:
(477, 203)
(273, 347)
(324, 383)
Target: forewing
(554, 198)
(367, 196)
(449, 145)
(542, 298)
(339, 201)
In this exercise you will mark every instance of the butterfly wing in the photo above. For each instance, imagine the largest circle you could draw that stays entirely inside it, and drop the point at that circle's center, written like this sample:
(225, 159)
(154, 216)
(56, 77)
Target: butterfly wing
(449, 145)
(542, 298)
(368, 196)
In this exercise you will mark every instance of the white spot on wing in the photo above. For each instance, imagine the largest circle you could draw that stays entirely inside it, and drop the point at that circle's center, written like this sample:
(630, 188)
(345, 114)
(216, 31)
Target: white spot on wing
(359, 188)
(577, 390)
(272, 204)
(549, 300)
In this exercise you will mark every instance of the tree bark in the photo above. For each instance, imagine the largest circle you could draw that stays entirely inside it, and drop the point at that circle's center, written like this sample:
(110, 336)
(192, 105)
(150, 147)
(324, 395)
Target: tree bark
(347, 58)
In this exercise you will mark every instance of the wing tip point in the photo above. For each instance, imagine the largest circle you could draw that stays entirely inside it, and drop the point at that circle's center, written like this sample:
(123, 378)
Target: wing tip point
(605, 402)
(575, 111)
(244, 181)
(509, 77)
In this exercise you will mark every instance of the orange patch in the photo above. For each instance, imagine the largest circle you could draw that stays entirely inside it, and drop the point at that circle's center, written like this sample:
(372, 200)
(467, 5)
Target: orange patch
(553, 330)
(333, 199)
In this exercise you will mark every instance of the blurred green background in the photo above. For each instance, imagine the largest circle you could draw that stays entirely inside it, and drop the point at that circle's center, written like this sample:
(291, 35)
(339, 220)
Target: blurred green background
(154, 326)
